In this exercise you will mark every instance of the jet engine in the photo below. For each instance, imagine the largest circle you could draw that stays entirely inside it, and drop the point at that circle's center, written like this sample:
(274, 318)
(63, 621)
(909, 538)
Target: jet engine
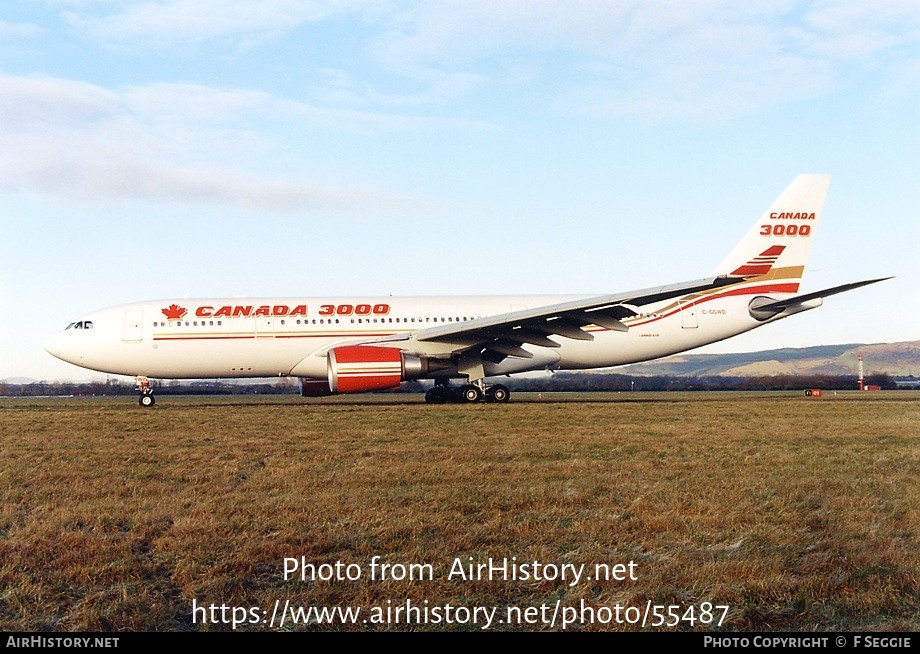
(363, 368)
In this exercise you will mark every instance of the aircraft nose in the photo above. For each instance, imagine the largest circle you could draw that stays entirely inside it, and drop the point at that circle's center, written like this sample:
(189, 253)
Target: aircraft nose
(56, 346)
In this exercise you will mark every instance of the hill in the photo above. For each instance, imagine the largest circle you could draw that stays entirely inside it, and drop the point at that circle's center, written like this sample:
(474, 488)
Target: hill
(896, 359)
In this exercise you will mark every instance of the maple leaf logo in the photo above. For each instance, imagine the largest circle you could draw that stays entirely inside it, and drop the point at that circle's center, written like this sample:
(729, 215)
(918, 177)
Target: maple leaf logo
(174, 312)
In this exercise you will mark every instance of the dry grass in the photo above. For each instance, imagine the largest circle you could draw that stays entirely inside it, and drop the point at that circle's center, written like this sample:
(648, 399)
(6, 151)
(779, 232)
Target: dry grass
(799, 514)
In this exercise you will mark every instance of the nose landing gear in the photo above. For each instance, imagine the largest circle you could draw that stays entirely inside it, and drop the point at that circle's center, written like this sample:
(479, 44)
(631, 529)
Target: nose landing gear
(146, 398)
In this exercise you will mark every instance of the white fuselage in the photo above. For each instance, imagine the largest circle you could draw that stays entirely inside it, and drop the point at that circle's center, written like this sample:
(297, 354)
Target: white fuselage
(234, 337)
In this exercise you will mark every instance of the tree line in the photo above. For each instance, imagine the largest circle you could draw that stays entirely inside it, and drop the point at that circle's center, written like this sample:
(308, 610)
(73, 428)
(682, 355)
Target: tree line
(586, 382)
(559, 382)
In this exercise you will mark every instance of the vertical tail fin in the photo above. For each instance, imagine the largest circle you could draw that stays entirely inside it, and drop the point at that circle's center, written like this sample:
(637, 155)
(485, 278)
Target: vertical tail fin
(778, 244)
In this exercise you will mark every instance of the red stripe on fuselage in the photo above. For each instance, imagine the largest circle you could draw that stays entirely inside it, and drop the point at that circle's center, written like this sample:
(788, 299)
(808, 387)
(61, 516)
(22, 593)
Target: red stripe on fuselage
(791, 287)
(267, 335)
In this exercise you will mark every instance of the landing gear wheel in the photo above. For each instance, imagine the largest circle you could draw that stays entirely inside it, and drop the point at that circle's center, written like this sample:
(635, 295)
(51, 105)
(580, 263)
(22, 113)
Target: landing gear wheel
(437, 395)
(146, 400)
(470, 393)
(498, 393)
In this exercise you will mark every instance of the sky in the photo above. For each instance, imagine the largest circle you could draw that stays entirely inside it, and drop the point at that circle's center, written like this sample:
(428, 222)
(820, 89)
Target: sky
(176, 149)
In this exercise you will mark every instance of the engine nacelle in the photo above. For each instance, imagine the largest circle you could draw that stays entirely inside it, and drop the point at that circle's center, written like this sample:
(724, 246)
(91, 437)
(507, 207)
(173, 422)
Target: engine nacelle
(363, 368)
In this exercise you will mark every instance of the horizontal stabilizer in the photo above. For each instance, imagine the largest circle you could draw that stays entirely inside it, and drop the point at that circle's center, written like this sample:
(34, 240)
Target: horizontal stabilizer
(772, 308)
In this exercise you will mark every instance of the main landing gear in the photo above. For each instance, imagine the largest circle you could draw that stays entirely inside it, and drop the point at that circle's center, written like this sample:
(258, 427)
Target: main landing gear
(466, 394)
(146, 398)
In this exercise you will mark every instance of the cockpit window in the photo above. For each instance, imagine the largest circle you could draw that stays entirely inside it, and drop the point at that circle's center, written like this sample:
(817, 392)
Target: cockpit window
(83, 324)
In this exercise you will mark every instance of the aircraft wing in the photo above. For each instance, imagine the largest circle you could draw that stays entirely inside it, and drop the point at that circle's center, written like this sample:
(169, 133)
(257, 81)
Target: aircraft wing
(503, 334)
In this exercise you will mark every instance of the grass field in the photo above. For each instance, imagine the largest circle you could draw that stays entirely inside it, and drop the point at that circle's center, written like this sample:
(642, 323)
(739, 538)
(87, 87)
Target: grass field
(795, 513)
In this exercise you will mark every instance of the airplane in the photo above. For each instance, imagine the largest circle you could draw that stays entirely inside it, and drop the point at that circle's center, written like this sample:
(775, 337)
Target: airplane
(363, 344)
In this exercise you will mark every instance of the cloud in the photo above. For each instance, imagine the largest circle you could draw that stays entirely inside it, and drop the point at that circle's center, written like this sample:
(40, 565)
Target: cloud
(856, 30)
(197, 21)
(654, 59)
(657, 59)
(123, 179)
(76, 142)
(19, 30)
